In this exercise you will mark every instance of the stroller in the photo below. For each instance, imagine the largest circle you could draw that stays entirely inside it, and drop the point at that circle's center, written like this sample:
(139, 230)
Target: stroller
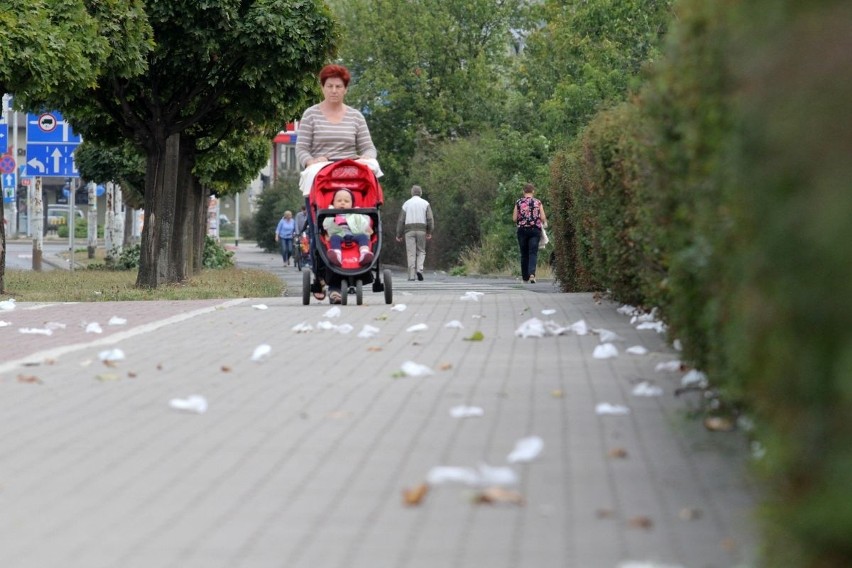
(358, 179)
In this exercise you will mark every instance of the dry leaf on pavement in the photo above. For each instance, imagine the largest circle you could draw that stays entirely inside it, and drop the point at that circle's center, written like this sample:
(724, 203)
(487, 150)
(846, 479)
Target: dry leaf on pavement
(618, 453)
(640, 522)
(32, 379)
(414, 495)
(497, 495)
(718, 424)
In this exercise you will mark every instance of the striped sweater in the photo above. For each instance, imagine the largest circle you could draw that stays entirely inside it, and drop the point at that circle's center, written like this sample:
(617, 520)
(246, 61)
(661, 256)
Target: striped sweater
(346, 139)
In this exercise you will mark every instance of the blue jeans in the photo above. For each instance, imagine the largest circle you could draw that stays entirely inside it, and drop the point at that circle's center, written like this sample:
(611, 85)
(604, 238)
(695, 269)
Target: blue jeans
(528, 239)
(286, 248)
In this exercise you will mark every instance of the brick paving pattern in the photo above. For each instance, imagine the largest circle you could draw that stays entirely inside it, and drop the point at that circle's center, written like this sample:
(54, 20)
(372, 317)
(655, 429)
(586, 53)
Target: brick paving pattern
(301, 458)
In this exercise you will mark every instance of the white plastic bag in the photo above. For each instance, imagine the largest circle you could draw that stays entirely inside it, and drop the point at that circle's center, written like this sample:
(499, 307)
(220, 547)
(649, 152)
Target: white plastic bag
(544, 240)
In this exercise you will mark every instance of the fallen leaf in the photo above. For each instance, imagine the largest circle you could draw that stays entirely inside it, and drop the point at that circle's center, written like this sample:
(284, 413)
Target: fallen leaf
(226, 369)
(445, 366)
(32, 379)
(604, 513)
(414, 496)
(374, 348)
(497, 495)
(131, 374)
(557, 393)
(640, 522)
(718, 424)
(618, 453)
(476, 336)
(108, 363)
(159, 366)
(104, 377)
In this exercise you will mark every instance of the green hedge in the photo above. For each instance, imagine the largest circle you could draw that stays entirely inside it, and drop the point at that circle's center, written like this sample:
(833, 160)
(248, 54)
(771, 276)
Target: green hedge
(81, 230)
(721, 195)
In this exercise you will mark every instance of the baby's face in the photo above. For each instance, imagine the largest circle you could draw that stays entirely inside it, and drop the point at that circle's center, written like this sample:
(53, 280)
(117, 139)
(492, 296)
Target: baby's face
(342, 200)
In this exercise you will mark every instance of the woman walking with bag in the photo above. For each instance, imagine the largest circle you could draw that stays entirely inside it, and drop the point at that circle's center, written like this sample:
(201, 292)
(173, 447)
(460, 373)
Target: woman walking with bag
(530, 219)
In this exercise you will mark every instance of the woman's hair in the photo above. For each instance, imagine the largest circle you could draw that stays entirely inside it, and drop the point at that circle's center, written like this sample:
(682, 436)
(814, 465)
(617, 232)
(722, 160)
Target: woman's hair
(529, 188)
(334, 71)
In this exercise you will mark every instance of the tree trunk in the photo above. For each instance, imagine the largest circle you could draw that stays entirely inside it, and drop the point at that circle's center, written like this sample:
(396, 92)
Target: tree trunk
(161, 191)
(188, 214)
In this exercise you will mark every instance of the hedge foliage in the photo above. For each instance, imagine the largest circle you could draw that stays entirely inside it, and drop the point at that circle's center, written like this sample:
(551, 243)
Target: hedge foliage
(721, 195)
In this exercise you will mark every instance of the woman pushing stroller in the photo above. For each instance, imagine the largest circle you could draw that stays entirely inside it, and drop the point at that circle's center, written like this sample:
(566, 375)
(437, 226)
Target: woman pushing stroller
(330, 131)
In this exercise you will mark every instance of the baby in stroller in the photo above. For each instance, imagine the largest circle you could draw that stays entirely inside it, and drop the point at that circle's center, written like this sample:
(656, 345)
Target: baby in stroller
(346, 234)
(342, 226)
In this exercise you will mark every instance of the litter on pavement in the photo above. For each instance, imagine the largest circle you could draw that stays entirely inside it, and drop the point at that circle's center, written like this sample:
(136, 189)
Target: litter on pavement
(462, 411)
(526, 450)
(605, 351)
(605, 408)
(261, 352)
(194, 403)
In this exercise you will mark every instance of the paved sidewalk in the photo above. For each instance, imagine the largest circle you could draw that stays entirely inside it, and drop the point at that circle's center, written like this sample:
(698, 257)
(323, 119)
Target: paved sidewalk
(301, 458)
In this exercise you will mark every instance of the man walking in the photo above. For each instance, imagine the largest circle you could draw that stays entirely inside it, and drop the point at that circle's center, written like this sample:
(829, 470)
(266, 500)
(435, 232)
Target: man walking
(416, 223)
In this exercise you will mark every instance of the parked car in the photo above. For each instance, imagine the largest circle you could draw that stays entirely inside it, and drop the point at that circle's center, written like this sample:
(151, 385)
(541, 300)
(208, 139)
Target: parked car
(58, 215)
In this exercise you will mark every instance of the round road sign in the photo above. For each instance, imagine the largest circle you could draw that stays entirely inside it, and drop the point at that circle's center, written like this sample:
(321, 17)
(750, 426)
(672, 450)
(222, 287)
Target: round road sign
(7, 164)
(47, 122)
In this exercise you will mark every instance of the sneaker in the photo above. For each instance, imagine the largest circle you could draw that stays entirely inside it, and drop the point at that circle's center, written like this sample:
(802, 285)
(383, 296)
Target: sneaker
(532, 278)
(335, 257)
(420, 276)
(366, 256)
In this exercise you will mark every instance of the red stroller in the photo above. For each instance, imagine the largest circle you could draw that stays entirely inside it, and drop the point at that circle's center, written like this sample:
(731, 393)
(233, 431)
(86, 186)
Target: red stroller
(365, 188)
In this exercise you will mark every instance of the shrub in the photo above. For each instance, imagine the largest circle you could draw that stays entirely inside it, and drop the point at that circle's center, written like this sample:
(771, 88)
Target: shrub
(788, 336)
(129, 258)
(215, 255)
(81, 230)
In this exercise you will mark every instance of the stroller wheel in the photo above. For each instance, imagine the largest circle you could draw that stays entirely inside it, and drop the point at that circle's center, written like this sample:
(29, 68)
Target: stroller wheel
(386, 274)
(344, 291)
(359, 292)
(306, 287)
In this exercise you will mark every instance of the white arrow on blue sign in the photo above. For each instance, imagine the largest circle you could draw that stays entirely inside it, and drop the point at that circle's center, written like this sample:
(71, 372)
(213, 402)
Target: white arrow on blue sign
(51, 160)
(9, 185)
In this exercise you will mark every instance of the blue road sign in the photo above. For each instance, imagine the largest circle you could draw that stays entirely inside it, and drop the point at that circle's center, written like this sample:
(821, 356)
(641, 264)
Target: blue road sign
(51, 160)
(50, 146)
(50, 128)
(4, 137)
(9, 185)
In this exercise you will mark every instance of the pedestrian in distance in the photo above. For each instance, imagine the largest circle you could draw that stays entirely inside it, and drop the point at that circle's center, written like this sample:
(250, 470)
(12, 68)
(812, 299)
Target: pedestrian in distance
(415, 224)
(301, 220)
(284, 233)
(529, 217)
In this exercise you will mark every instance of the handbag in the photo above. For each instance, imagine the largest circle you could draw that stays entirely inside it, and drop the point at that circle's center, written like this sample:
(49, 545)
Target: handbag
(543, 242)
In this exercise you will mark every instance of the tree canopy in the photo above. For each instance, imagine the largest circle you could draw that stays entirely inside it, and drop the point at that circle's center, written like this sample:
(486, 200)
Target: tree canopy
(214, 70)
